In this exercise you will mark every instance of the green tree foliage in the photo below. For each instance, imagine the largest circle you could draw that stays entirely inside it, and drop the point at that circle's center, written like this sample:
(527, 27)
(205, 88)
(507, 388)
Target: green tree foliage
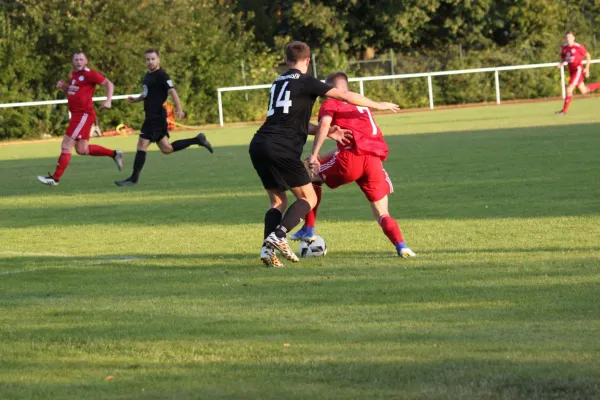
(202, 45)
(206, 44)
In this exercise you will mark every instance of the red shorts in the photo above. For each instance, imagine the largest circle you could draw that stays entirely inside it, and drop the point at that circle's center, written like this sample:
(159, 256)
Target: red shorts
(577, 76)
(80, 126)
(367, 171)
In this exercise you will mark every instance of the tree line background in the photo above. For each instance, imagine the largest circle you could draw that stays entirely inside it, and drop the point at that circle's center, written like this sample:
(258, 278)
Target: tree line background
(209, 44)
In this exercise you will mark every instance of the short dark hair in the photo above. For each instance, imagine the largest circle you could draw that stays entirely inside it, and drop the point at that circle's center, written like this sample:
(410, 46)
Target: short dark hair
(152, 50)
(297, 51)
(570, 32)
(331, 78)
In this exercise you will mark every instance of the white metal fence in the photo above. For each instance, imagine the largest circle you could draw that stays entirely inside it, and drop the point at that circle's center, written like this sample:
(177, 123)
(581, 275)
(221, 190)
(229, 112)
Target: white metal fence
(361, 81)
(63, 101)
(428, 75)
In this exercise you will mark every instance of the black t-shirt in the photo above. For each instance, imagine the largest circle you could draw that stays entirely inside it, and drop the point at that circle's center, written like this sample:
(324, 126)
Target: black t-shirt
(293, 95)
(155, 90)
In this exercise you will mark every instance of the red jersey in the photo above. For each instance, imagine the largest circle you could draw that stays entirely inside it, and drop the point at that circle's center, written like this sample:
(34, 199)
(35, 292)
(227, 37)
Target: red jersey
(82, 85)
(367, 137)
(573, 55)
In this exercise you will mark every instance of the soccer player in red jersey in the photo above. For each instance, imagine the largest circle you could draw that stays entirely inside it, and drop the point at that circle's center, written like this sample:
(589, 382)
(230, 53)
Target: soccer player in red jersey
(572, 54)
(80, 90)
(360, 162)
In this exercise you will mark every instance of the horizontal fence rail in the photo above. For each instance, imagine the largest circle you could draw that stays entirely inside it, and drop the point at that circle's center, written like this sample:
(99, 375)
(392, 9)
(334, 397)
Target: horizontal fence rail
(361, 82)
(63, 101)
(428, 75)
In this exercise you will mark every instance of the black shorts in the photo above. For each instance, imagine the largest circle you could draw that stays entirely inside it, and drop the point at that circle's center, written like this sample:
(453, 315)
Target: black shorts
(154, 129)
(277, 169)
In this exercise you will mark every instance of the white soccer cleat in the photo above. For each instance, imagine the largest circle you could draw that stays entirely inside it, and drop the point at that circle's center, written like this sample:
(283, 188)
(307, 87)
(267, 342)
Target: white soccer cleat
(405, 252)
(269, 258)
(48, 180)
(119, 158)
(282, 245)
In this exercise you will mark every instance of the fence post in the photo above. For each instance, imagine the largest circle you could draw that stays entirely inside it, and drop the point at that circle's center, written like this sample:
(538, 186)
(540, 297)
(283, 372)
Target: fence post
(220, 100)
(430, 87)
(392, 61)
(362, 88)
(562, 81)
(314, 63)
(497, 78)
(244, 78)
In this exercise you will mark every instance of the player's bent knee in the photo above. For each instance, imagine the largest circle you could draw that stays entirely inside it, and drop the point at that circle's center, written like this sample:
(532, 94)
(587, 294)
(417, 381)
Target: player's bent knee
(311, 198)
(280, 205)
(82, 151)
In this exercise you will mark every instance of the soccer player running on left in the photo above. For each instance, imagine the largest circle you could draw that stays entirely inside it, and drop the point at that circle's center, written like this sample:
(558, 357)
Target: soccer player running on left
(360, 162)
(276, 148)
(157, 86)
(80, 90)
(572, 54)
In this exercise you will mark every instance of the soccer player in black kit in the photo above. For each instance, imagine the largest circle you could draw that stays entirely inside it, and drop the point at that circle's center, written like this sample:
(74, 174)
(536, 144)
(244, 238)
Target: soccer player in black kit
(155, 90)
(276, 148)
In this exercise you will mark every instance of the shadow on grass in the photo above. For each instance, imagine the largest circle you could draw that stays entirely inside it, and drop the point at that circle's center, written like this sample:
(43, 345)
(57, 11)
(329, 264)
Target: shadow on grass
(283, 377)
(527, 172)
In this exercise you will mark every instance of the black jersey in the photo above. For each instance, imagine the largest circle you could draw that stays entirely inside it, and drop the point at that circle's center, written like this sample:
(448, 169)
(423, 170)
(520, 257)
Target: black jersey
(293, 95)
(155, 91)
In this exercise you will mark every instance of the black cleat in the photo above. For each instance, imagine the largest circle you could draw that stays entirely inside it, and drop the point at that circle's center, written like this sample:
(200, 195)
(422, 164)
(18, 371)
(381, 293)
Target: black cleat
(561, 112)
(202, 141)
(126, 182)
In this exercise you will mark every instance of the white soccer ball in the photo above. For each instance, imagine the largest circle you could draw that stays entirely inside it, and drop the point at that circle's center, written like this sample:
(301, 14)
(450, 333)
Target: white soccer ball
(316, 248)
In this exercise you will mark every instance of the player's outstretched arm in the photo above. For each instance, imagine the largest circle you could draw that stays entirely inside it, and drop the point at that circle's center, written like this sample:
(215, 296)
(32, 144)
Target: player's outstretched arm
(313, 159)
(359, 100)
(110, 90)
(588, 58)
(132, 99)
(178, 109)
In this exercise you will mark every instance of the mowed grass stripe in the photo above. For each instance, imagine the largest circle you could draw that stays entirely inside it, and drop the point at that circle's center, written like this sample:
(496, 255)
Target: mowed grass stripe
(500, 204)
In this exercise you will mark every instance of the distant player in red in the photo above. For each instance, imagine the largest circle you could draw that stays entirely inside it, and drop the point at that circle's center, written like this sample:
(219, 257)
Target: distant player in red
(360, 162)
(80, 90)
(572, 54)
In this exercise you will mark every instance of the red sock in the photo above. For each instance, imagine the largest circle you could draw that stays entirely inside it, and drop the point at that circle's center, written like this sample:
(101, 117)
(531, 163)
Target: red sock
(99, 151)
(311, 217)
(61, 165)
(567, 102)
(391, 229)
(593, 86)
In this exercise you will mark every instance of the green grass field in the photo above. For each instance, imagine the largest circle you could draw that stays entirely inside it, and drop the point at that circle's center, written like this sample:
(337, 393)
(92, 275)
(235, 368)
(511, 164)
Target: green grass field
(160, 286)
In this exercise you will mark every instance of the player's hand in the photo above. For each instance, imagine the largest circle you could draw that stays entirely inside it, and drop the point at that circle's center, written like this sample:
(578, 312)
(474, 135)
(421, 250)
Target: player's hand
(106, 105)
(314, 165)
(131, 99)
(60, 85)
(341, 136)
(384, 106)
(180, 114)
(587, 73)
(560, 64)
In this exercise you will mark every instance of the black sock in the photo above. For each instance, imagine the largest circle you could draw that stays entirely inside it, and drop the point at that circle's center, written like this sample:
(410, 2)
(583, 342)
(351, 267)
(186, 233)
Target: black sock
(293, 217)
(272, 219)
(183, 143)
(138, 164)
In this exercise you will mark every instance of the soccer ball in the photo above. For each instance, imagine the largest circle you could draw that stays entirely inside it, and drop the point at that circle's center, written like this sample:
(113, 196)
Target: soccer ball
(316, 248)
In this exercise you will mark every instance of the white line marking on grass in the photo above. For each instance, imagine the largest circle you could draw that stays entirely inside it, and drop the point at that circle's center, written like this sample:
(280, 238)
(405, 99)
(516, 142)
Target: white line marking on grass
(86, 264)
